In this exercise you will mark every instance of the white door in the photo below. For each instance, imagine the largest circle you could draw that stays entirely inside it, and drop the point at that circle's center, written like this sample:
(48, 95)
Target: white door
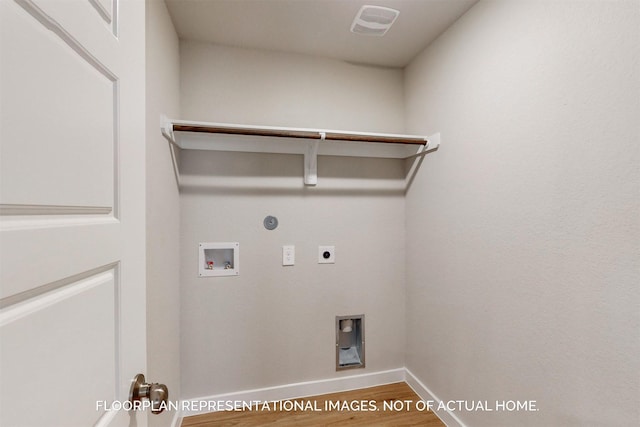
(72, 293)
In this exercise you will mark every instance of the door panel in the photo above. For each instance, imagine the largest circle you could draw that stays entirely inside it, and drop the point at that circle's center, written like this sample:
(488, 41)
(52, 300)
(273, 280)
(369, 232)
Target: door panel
(61, 332)
(42, 250)
(69, 152)
(72, 292)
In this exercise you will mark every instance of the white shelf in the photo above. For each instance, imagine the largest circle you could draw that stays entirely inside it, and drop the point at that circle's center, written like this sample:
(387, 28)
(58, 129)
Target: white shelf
(310, 143)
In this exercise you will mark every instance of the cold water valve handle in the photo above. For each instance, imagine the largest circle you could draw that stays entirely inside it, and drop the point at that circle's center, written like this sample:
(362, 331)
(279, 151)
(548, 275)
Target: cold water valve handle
(156, 393)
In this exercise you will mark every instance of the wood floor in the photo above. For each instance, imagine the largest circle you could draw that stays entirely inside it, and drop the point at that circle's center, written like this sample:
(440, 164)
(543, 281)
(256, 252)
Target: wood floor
(387, 405)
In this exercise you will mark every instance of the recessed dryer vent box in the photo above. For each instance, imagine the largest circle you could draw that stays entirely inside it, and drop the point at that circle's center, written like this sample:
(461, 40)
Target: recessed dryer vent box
(218, 259)
(350, 342)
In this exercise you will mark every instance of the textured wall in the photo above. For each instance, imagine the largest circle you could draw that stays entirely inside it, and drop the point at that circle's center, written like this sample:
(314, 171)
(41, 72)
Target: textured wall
(226, 84)
(275, 325)
(163, 208)
(523, 234)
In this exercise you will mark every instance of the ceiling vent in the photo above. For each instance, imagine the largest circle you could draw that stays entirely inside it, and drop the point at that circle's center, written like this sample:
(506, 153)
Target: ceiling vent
(373, 20)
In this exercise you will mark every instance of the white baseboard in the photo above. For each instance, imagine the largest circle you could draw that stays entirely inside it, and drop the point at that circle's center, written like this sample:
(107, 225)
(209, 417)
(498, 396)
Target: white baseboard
(177, 419)
(303, 389)
(319, 387)
(447, 417)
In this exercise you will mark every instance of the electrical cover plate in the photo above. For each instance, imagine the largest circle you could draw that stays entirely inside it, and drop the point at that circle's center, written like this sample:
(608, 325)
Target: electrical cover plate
(288, 255)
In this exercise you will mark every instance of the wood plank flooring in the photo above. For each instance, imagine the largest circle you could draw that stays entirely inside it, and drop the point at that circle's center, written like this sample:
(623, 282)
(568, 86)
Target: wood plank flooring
(331, 410)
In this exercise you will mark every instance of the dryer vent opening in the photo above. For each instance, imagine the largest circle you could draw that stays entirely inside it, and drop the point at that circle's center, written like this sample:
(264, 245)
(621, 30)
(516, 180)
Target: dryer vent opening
(350, 342)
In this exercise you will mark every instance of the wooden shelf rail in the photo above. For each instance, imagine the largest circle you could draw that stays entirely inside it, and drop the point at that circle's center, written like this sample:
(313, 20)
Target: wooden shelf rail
(305, 134)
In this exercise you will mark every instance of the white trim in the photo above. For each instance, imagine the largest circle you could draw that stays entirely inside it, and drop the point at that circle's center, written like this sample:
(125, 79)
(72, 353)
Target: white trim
(104, 13)
(105, 419)
(35, 222)
(177, 418)
(17, 209)
(447, 417)
(20, 310)
(320, 387)
(304, 389)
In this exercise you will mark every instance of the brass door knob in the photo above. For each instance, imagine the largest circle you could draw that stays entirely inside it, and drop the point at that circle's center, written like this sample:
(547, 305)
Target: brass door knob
(156, 393)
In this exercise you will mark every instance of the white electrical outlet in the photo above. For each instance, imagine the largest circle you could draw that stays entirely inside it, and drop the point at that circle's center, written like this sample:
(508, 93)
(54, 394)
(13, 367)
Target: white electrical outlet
(288, 255)
(326, 254)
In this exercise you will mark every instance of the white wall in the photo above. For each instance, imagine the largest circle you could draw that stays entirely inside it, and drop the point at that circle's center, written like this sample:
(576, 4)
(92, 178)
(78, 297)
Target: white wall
(523, 236)
(275, 325)
(226, 84)
(163, 208)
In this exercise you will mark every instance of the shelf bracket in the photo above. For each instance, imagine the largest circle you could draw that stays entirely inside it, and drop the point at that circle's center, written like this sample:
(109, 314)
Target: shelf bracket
(433, 142)
(311, 161)
(166, 128)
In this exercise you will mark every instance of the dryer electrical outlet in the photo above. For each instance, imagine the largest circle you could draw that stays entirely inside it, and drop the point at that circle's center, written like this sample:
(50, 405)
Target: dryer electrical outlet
(326, 254)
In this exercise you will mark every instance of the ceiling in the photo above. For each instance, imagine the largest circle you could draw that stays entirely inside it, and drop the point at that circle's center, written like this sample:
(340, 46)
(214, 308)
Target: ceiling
(316, 27)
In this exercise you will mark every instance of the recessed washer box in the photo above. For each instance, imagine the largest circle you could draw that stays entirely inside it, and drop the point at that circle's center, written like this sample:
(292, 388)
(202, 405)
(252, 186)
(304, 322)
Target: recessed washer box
(218, 259)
